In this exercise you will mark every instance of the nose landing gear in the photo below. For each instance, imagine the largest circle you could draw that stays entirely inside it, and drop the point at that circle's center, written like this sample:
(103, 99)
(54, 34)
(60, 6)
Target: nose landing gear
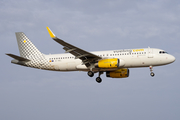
(151, 69)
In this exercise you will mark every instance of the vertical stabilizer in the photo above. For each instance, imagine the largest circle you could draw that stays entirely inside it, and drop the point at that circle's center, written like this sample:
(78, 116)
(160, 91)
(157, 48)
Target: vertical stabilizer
(30, 52)
(30, 56)
(26, 47)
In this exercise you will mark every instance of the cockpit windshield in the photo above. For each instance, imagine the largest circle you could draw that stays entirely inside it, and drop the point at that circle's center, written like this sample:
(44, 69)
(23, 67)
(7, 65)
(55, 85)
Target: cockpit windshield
(162, 52)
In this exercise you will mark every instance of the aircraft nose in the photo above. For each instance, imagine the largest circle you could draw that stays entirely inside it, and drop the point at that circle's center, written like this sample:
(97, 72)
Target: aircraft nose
(172, 59)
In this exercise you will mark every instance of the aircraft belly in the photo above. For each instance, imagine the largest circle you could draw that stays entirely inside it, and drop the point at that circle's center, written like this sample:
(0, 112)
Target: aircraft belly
(139, 62)
(135, 62)
(64, 66)
(71, 66)
(144, 62)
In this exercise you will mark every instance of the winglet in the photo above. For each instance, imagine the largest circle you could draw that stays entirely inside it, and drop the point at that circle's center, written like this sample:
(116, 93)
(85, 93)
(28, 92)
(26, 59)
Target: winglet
(52, 35)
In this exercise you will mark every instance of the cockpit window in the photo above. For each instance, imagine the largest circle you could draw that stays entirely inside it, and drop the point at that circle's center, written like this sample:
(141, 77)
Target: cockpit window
(162, 52)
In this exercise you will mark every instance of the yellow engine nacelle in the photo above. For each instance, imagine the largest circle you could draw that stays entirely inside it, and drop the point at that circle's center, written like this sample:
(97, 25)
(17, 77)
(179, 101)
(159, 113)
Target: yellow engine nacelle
(120, 73)
(108, 63)
(111, 63)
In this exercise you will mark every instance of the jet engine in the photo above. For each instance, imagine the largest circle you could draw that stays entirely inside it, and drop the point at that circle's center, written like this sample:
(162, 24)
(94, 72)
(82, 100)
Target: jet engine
(120, 73)
(110, 63)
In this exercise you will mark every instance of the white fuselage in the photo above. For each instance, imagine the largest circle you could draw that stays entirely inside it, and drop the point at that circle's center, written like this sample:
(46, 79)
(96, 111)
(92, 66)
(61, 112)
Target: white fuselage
(114, 62)
(131, 58)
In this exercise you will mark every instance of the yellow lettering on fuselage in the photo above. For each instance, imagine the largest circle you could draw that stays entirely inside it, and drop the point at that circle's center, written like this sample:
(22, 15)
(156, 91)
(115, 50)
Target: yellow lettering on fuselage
(138, 50)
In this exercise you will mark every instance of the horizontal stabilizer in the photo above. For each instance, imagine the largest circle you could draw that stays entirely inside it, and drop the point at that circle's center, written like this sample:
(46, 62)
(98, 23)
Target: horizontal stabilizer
(18, 58)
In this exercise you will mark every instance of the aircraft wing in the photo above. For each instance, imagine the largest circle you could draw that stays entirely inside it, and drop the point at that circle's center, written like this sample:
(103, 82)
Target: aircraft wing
(85, 56)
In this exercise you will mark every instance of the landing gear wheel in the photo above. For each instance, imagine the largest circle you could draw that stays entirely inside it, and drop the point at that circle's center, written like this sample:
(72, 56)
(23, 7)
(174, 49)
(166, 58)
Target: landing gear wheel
(151, 69)
(152, 74)
(90, 74)
(98, 79)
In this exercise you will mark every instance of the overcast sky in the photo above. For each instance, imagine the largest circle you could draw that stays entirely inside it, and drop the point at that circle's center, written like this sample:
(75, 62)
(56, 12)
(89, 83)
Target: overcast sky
(32, 94)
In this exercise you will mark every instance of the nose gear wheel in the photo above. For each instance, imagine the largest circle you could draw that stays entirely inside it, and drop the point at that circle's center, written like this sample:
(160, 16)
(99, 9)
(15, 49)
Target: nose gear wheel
(151, 69)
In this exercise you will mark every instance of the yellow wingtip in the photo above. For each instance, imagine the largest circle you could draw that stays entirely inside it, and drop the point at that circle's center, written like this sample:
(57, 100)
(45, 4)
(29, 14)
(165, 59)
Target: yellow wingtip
(50, 33)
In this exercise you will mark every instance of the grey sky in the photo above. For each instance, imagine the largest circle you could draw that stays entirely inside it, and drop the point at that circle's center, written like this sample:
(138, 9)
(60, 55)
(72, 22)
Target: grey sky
(27, 93)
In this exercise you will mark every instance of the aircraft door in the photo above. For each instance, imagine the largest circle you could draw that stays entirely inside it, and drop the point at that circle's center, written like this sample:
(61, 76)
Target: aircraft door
(150, 52)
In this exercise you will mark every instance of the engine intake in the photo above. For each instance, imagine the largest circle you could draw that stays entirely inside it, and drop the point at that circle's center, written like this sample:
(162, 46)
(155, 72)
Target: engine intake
(120, 73)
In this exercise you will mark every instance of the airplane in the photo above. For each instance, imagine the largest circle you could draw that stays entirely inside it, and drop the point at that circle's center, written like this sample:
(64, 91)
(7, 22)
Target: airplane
(115, 63)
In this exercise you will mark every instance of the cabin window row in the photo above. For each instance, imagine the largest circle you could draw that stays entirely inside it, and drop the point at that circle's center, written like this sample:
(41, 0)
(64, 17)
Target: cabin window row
(138, 53)
(61, 58)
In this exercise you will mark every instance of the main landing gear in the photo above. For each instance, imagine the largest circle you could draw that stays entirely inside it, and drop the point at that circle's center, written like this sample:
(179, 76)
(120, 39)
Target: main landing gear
(90, 74)
(98, 79)
(151, 69)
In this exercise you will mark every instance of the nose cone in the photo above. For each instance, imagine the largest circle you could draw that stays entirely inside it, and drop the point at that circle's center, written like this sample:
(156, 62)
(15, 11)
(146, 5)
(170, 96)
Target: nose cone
(171, 59)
